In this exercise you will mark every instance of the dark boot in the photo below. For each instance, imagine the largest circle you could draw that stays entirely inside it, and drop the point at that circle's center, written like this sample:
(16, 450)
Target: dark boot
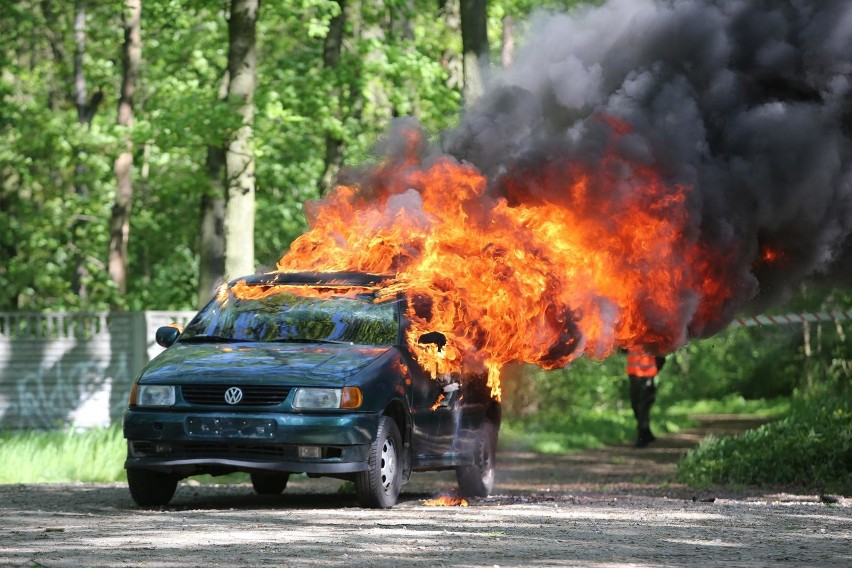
(643, 393)
(644, 438)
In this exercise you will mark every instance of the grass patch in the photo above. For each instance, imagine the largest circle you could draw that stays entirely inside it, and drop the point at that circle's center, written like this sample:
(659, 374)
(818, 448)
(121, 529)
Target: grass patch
(95, 455)
(62, 456)
(732, 404)
(809, 449)
(227, 479)
(568, 432)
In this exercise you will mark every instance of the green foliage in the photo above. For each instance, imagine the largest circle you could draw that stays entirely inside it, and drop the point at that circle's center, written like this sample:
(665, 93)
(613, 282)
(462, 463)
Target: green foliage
(582, 406)
(586, 383)
(58, 181)
(61, 457)
(811, 448)
(765, 361)
(570, 432)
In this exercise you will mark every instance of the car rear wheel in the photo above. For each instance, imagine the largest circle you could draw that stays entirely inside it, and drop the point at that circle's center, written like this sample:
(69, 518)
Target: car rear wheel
(478, 480)
(378, 487)
(151, 488)
(269, 483)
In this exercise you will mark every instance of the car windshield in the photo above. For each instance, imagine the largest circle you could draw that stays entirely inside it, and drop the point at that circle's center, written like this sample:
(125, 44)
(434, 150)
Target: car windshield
(295, 314)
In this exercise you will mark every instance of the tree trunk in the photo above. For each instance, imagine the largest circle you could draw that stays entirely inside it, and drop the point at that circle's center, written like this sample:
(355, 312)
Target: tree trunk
(448, 11)
(211, 245)
(239, 157)
(331, 60)
(809, 362)
(80, 90)
(507, 51)
(56, 93)
(211, 262)
(474, 47)
(402, 31)
(119, 226)
(86, 108)
(85, 111)
(54, 37)
(211, 266)
(374, 24)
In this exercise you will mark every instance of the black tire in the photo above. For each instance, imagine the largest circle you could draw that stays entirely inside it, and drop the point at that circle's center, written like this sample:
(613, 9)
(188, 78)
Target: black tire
(478, 480)
(151, 488)
(378, 487)
(269, 483)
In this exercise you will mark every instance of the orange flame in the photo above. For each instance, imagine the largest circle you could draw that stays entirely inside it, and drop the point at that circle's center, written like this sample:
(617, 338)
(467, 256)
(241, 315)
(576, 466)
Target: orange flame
(446, 501)
(438, 402)
(771, 255)
(245, 292)
(522, 278)
(175, 325)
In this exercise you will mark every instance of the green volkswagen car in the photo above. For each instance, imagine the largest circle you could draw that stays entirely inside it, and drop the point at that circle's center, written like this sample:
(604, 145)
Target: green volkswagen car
(287, 373)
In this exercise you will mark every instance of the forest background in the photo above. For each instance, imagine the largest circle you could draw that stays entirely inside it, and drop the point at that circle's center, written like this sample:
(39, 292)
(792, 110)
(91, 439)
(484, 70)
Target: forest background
(118, 119)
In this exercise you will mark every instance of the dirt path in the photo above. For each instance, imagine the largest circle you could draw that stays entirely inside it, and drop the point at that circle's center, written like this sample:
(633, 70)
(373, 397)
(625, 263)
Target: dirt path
(609, 507)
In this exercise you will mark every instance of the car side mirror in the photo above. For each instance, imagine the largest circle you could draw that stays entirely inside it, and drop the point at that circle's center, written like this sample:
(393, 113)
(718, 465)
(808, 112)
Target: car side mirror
(435, 338)
(167, 335)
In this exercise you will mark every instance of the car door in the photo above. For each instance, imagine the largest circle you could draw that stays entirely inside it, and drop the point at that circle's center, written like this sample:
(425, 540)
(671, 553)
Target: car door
(431, 415)
(431, 407)
(470, 415)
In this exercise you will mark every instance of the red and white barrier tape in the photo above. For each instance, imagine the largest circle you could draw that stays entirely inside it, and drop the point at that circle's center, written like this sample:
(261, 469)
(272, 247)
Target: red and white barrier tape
(808, 317)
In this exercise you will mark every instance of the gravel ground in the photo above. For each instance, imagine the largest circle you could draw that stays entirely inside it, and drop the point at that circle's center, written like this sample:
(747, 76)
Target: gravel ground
(611, 507)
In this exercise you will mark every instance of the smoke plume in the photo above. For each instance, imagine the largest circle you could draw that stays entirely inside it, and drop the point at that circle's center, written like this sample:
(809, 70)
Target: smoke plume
(748, 103)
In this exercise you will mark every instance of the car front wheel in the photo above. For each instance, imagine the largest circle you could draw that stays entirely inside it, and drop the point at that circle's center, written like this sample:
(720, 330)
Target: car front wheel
(478, 480)
(378, 487)
(269, 483)
(151, 488)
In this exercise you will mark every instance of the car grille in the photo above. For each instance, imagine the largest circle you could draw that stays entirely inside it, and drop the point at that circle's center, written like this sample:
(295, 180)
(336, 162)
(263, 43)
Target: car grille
(214, 450)
(253, 395)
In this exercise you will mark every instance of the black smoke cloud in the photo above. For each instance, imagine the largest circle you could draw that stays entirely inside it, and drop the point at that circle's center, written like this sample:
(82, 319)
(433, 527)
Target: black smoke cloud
(747, 102)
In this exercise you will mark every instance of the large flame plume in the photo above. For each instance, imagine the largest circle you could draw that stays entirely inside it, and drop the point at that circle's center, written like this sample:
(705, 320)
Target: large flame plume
(533, 281)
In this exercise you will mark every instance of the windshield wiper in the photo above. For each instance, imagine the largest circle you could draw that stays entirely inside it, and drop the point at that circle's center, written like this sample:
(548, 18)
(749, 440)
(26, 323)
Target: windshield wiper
(211, 339)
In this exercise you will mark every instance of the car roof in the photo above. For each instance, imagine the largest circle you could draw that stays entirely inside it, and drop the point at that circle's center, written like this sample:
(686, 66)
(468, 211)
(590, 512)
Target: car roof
(309, 278)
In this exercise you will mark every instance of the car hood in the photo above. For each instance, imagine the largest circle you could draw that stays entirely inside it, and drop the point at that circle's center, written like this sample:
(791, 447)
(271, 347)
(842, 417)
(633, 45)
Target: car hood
(279, 363)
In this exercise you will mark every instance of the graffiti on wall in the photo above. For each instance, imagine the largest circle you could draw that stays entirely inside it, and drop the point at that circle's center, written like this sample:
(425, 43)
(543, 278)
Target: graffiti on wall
(71, 370)
(76, 393)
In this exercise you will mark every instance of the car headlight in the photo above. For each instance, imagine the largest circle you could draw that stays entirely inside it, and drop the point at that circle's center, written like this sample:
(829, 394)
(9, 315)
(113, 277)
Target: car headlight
(155, 395)
(314, 398)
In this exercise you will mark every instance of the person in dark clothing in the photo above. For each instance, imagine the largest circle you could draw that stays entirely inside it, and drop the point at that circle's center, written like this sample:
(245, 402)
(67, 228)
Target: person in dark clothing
(642, 370)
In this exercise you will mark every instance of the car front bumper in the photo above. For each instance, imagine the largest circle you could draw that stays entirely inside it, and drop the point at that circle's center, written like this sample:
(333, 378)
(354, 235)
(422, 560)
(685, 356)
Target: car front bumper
(194, 443)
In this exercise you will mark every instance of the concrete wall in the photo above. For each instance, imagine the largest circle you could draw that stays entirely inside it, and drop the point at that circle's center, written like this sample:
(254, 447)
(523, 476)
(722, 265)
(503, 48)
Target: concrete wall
(63, 369)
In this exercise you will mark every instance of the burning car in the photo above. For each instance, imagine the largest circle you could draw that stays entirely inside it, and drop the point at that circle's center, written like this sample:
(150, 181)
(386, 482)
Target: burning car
(312, 373)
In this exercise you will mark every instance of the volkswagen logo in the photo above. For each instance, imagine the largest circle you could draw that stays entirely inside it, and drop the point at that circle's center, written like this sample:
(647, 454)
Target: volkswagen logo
(233, 395)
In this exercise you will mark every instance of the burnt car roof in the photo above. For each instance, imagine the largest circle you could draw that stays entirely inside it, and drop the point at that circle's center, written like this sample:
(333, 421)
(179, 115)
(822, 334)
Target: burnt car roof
(308, 278)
